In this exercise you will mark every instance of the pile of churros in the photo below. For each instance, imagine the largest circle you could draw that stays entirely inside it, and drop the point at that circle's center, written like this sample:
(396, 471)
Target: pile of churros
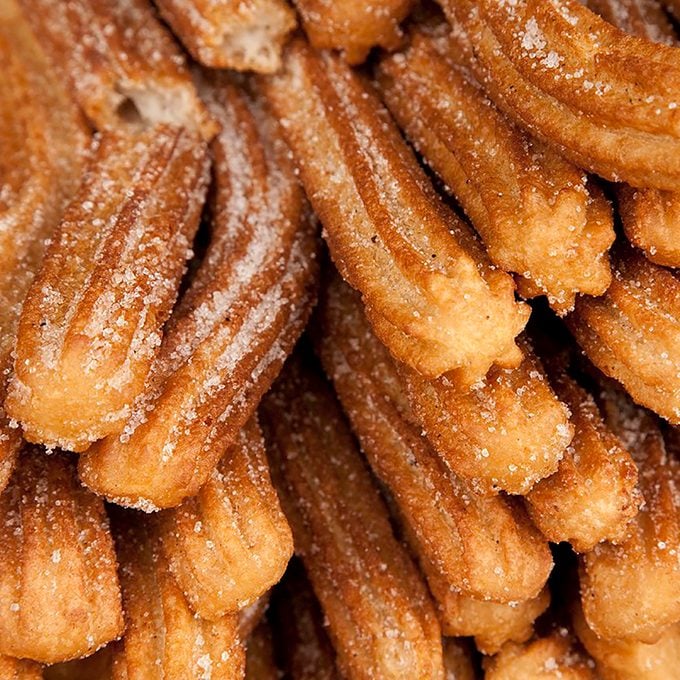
(339, 340)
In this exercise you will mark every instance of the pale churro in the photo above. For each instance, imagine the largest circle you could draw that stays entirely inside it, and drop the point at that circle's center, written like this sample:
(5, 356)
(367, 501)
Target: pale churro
(230, 333)
(93, 318)
(537, 214)
(430, 292)
(381, 620)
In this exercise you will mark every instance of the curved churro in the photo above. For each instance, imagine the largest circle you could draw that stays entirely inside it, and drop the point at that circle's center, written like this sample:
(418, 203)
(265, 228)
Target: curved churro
(230, 543)
(430, 293)
(122, 66)
(42, 141)
(593, 495)
(93, 318)
(606, 100)
(381, 620)
(632, 333)
(630, 590)
(19, 669)
(232, 34)
(486, 547)
(59, 593)
(230, 333)
(536, 213)
(163, 637)
(353, 27)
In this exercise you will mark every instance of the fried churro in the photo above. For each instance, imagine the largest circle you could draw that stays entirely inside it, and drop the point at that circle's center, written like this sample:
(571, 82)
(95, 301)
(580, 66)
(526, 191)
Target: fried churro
(353, 27)
(430, 293)
(59, 593)
(232, 34)
(630, 590)
(380, 618)
(231, 331)
(606, 100)
(632, 333)
(93, 318)
(537, 214)
(163, 637)
(485, 547)
(121, 64)
(230, 543)
(19, 669)
(42, 142)
(593, 495)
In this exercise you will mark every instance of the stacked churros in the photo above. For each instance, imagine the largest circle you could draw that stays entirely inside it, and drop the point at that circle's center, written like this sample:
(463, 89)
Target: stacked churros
(339, 340)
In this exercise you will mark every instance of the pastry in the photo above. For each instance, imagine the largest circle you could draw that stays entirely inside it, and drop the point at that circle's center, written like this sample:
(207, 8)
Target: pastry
(19, 669)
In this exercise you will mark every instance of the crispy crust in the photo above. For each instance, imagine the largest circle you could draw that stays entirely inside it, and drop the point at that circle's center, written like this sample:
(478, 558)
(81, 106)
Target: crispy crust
(630, 590)
(260, 663)
(231, 33)
(42, 141)
(232, 330)
(353, 26)
(19, 669)
(632, 333)
(381, 620)
(93, 318)
(485, 547)
(56, 550)
(163, 637)
(536, 213)
(593, 495)
(430, 293)
(604, 99)
(229, 544)
(122, 66)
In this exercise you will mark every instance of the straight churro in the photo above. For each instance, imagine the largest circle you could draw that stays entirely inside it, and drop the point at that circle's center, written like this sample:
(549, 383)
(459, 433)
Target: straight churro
(430, 293)
(230, 333)
(93, 318)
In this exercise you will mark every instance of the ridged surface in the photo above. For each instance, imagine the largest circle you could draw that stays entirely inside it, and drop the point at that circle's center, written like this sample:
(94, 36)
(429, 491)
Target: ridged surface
(230, 543)
(42, 141)
(430, 292)
(537, 214)
(605, 100)
(230, 33)
(121, 64)
(381, 620)
(632, 333)
(93, 318)
(59, 591)
(230, 333)
(485, 547)
(164, 639)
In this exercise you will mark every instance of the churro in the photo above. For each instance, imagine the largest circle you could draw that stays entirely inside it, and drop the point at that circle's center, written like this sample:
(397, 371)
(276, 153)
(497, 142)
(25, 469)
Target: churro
(250, 616)
(232, 34)
(230, 543)
(231, 331)
(537, 214)
(380, 618)
(59, 593)
(458, 664)
(19, 669)
(260, 662)
(93, 318)
(430, 292)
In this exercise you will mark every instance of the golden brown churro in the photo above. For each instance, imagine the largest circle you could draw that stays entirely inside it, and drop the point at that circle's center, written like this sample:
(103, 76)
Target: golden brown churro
(630, 590)
(606, 100)
(163, 637)
(19, 669)
(430, 293)
(121, 64)
(593, 495)
(230, 33)
(486, 547)
(632, 333)
(59, 593)
(536, 213)
(42, 140)
(260, 663)
(93, 318)
(230, 333)
(230, 543)
(381, 620)
(353, 27)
